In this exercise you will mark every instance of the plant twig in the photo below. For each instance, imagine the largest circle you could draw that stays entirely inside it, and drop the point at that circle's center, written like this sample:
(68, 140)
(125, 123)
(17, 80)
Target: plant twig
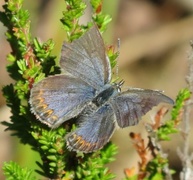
(185, 156)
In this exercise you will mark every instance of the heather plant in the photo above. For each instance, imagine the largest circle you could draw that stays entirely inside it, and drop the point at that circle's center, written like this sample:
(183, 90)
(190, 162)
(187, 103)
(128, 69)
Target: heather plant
(31, 60)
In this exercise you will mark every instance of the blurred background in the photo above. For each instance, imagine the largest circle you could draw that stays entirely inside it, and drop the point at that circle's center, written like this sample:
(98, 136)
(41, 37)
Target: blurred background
(155, 37)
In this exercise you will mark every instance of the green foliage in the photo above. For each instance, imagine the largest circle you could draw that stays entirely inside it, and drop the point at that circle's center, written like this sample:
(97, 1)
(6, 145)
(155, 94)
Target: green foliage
(182, 96)
(74, 10)
(101, 19)
(92, 166)
(27, 65)
(156, 168)
(51, 147)
(14, 172)
(112, 56)
(31, 61)
(170, 126)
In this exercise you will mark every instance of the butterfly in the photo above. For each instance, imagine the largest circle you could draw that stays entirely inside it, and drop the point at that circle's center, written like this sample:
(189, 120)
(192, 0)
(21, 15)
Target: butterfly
(83, 91)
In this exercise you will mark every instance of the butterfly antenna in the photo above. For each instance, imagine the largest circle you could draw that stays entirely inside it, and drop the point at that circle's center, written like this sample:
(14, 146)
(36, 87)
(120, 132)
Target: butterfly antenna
(118, 51)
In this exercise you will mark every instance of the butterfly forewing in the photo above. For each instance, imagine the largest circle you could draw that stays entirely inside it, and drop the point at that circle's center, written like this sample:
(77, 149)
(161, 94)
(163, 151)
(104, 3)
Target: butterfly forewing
(132, 104)
(86, 59)
(59, 98)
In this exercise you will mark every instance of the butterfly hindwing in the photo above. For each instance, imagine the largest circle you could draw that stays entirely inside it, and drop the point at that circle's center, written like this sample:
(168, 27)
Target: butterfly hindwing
(94, 132)
(129, 106)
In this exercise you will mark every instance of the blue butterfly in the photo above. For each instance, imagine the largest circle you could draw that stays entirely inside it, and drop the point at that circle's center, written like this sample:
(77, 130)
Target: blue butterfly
(84, 92)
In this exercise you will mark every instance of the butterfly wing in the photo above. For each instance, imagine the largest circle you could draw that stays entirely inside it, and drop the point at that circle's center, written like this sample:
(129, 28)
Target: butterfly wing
(58, 98)
(85, 58)
(132, 104)
(94, 132)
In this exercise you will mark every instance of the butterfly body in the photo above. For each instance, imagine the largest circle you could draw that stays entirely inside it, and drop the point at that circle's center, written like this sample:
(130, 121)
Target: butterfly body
(84, 92)
(106, 94)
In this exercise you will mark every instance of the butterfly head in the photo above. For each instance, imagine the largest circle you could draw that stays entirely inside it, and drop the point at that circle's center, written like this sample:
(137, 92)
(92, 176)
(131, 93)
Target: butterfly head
(119, 85)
